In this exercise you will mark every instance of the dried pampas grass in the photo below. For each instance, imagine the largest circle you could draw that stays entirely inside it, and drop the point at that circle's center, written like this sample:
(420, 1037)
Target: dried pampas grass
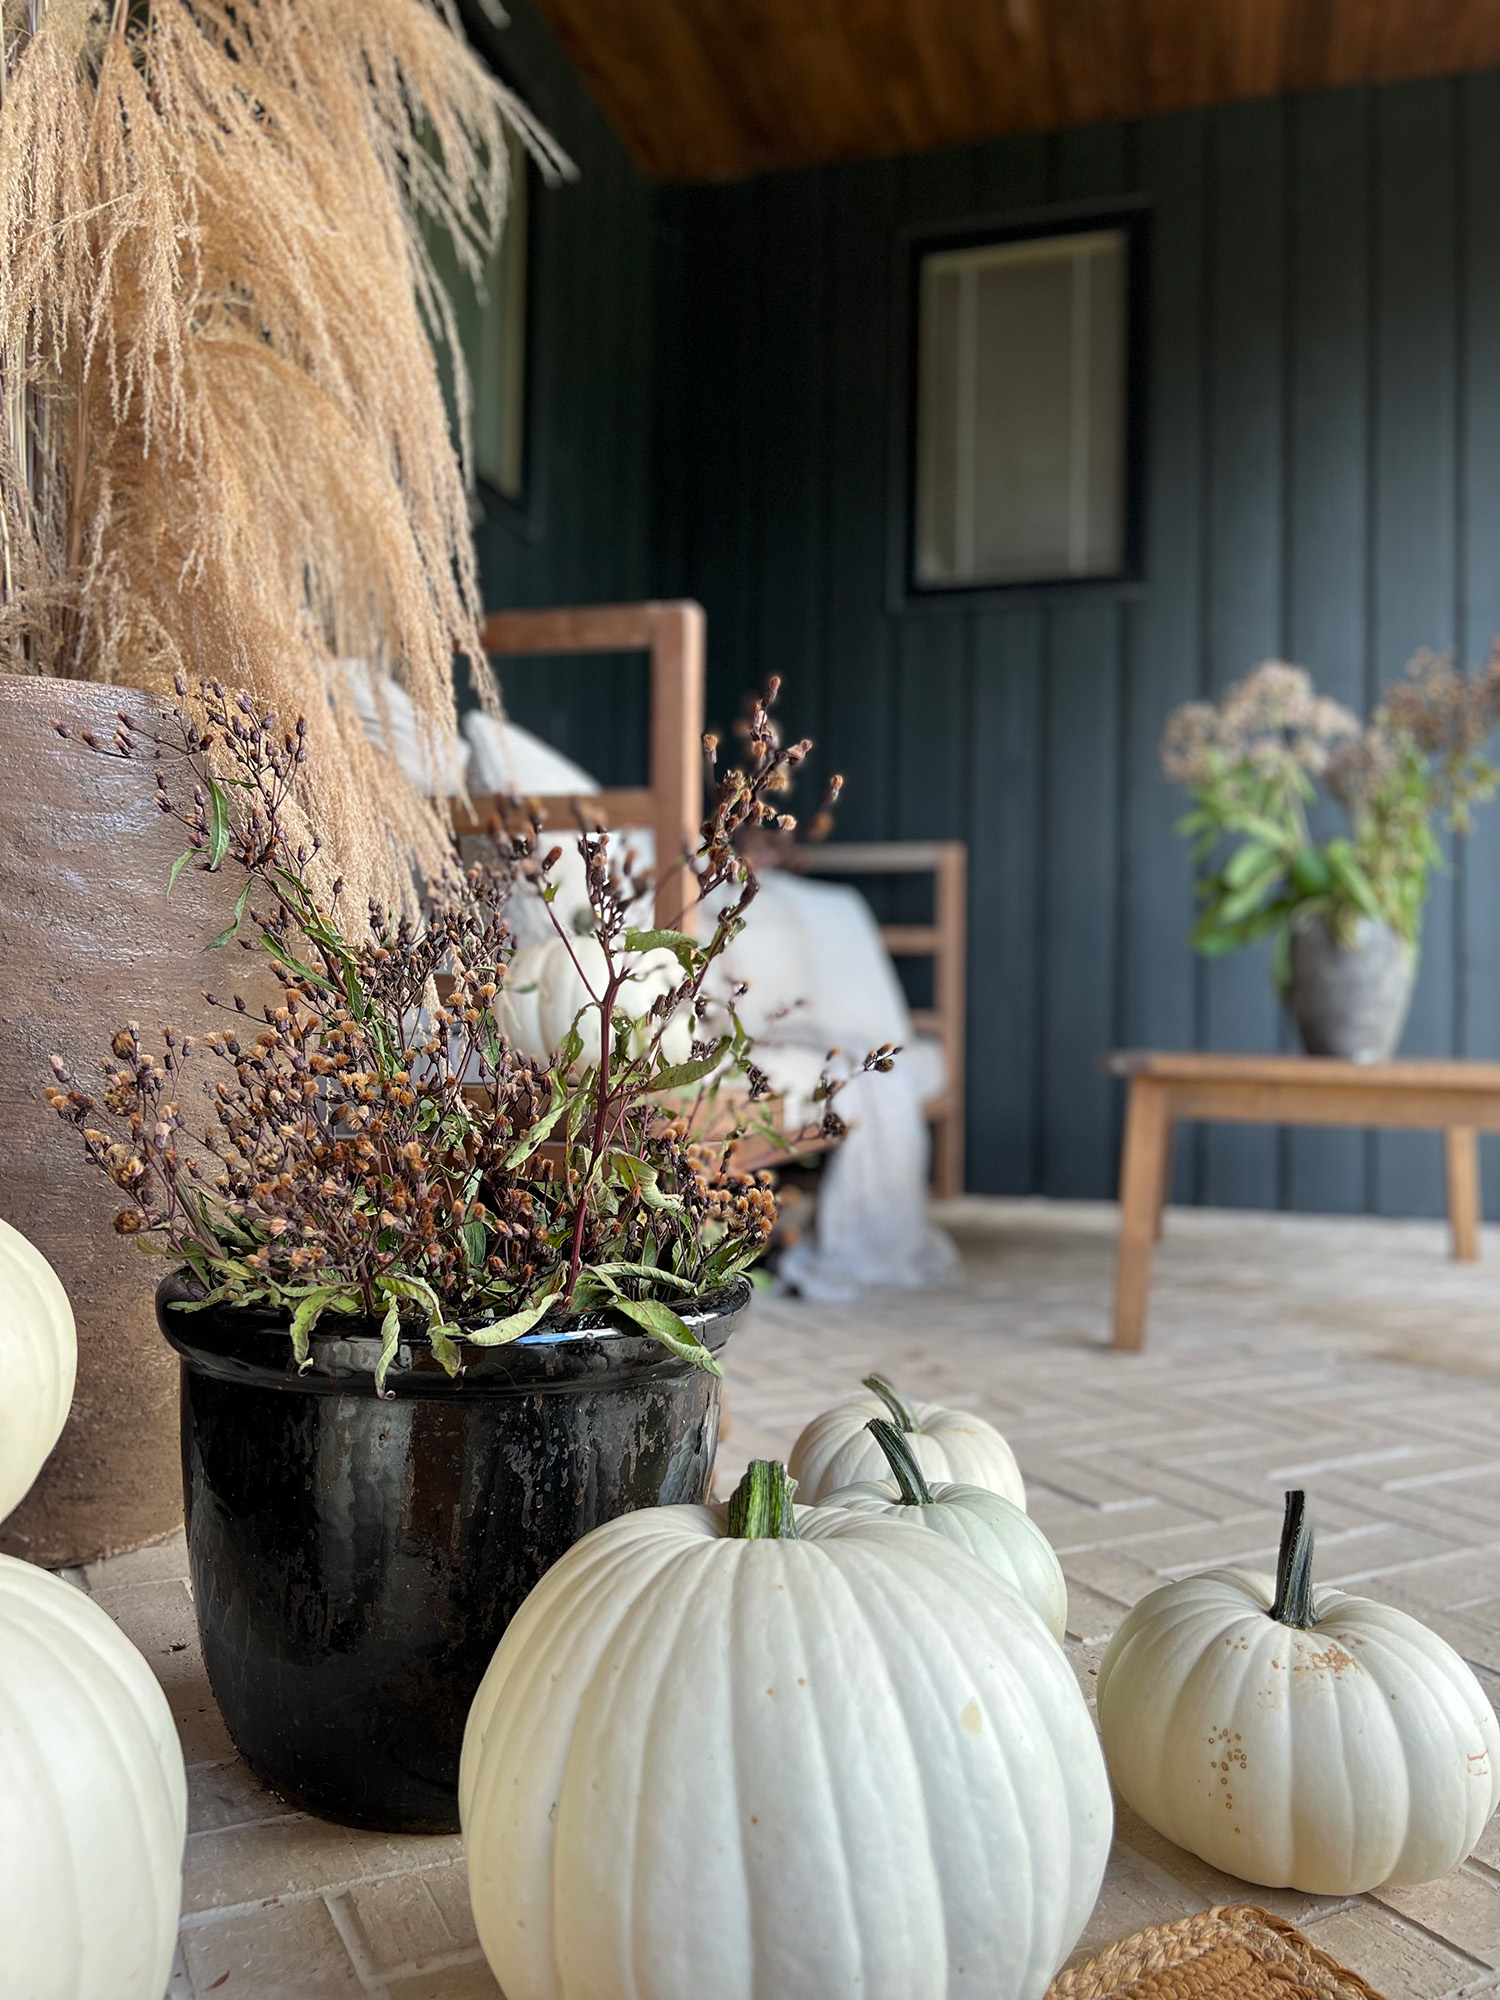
(223, 444)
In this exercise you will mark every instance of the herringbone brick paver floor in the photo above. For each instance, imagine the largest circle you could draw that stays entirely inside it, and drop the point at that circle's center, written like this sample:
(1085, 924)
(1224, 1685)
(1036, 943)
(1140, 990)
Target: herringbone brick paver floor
(1349, 1357)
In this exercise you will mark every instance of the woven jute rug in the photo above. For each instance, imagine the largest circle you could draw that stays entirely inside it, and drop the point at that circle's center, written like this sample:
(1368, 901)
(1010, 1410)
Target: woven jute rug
(1235, 1953)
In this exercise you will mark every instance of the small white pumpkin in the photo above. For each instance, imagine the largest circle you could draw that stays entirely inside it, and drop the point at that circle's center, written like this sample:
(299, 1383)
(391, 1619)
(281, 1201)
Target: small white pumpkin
(38, 1362)
(986, 1524)
(711, 1758)
(93, 1801)
(547, 988)
(837, 1450)
(1300, 1739)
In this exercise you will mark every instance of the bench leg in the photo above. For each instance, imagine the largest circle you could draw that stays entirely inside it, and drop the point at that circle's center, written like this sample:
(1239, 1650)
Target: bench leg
(1142, 1183)
(1166, 1181)
(1461, 1158)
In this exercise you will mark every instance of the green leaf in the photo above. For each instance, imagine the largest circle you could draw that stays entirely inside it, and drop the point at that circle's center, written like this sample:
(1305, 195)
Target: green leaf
(177, 867)
(310, 1311)
(418, 1291)
(218, 825)
(678, 943)
(524, 1148)
(1352, 879)
(282, 956)
(441, 1338)
(659, 1320)
(608, 1271)
(677, 1076)
(475, 1242)
(390, 1334)
(1249, 898)
(1216, 944)
(641, 1177)
(1247, 860)
(234, 922)
(499, 1331)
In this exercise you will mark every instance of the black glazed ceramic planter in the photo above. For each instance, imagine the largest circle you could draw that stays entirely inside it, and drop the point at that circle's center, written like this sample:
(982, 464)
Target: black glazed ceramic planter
(356, 1559)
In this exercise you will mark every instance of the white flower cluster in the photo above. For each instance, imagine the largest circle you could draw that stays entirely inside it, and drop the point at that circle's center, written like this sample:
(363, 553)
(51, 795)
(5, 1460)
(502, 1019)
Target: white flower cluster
(1273, 720)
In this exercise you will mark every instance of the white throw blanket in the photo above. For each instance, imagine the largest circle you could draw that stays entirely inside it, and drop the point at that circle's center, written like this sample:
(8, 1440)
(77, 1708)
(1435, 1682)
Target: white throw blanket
(872, 1230)
(820, 978)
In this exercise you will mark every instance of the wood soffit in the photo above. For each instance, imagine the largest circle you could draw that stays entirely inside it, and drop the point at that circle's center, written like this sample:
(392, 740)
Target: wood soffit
(705, 90)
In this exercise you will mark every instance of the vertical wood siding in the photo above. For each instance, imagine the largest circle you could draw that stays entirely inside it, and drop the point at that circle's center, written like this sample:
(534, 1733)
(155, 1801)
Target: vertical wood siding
(1322, 481)
(586, 533)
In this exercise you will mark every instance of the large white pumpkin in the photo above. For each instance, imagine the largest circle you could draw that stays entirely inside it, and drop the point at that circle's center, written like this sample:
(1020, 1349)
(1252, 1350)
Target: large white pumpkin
(93, 1802)
(989, 1526)
(709, 1760)
(547, 988)
(837, 1450)
(1295, 1737)
(38, 1361)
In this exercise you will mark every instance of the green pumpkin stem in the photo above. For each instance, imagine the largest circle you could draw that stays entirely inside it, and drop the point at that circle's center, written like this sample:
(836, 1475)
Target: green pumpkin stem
(915, 1492)
(760, 1507)
(903, 1416)
(1293, 1603)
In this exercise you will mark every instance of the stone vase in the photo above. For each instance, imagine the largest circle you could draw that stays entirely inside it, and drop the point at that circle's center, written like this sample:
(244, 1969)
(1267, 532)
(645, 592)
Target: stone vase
(1350, 1000)
(88, 941)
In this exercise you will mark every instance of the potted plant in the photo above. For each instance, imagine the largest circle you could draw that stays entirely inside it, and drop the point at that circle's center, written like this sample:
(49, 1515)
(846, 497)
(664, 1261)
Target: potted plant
(1344, 912)
(441, 1306)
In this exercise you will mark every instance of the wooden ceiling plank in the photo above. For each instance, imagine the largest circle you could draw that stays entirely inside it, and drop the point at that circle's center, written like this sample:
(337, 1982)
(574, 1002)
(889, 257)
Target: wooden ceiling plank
(715, 89)
(1182, 54)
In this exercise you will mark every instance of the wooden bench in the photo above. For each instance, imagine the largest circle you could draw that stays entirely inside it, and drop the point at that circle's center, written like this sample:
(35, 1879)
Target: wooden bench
(1459, 1099)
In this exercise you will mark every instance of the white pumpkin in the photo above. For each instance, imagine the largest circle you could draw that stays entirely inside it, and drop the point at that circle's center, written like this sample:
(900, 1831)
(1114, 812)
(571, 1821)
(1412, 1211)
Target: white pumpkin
(547, 988)
(712, 1759)
(93, 1801)
(38, 1361)
(837, 1450)
(1297, 1738)
(986, 1524)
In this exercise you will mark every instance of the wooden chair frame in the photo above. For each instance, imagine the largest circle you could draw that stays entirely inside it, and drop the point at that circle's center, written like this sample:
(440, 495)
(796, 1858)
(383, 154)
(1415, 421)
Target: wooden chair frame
(944, 941)
(671, 804)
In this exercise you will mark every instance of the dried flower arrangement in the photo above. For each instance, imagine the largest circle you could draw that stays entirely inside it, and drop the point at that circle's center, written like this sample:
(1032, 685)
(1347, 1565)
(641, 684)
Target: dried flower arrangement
(376, 1151)
(1254, 765)
(222, 431)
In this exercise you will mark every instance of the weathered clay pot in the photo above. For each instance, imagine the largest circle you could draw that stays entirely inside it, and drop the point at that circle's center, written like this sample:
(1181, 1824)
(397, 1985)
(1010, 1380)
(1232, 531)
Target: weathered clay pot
(1350, 1000)
(89, 940)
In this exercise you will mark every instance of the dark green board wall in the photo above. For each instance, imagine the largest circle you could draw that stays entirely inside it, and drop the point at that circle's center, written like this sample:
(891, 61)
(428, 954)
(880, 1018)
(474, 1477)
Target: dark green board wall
(1322, 482)
(583, 534)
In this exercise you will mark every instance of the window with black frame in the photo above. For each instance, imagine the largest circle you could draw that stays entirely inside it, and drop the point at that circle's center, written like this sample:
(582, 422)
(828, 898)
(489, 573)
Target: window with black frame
(1023, 411)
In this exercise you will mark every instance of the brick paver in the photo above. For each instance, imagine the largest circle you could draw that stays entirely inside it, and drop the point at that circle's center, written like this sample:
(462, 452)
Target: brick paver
(1347, 1356)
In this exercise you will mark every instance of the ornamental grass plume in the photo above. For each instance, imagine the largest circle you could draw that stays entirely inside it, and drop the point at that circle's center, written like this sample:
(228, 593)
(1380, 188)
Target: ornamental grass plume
(223, 441)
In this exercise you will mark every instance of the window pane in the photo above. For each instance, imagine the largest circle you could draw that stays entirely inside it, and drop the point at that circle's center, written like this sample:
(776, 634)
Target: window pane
(1021, 411)
(491, 328)
(499, 365)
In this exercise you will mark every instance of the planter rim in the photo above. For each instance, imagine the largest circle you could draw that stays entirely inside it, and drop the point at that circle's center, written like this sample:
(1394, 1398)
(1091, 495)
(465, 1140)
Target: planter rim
(1364, 924)
(243, 1344)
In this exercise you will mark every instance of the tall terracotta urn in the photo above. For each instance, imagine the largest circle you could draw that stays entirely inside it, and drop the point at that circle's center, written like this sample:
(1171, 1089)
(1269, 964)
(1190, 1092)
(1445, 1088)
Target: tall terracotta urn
(88, 940)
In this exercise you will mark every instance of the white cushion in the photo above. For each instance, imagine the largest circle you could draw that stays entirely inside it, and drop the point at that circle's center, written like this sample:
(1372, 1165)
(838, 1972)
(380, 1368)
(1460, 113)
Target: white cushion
(435, 767)
(504, 757)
